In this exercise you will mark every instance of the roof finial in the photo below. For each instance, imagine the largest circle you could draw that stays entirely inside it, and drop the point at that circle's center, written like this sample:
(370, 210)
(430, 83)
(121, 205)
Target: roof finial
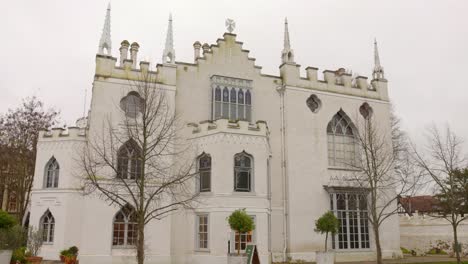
(378, 72)
(105, 41)
(287, 55)
(169, 52)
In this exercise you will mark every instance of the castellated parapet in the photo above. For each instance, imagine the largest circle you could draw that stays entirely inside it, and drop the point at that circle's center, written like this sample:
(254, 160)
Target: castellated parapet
(63, 134)
(206, 128)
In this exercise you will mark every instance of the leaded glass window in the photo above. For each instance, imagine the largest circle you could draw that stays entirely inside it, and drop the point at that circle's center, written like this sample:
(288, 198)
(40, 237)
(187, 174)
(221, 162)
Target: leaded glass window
(129, 162)
(232, 99)
(52, 173)
(242, 172)
(202, 231)
(351, 211)
(341, 141)
(204, 167)
(47, 223)
(125, 231)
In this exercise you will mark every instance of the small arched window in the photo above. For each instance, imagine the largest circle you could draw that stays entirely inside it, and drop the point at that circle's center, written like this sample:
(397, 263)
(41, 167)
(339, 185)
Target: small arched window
(129, 162)
(242, 172)
(125, 227)
(52, 170)
(341, 141)
(204, 167)
(132, 104)
(47, 223)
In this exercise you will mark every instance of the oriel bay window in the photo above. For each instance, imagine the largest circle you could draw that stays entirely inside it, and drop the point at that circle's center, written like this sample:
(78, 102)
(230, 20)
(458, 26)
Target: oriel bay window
(351, 210)
(232, 98)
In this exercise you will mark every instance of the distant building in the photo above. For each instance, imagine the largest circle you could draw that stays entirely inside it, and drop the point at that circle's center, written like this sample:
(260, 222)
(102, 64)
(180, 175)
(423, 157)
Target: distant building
(270, 144)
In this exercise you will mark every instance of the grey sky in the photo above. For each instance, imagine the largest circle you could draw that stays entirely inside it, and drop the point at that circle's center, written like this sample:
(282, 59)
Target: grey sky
(48, 47)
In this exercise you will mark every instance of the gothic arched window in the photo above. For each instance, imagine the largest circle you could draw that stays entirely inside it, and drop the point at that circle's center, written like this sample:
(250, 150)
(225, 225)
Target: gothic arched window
(242, 172)
(204, 167)
(129, 164)
(47, 224)
(52, 170)
(341, 141)
(125, 227)
(217, 102)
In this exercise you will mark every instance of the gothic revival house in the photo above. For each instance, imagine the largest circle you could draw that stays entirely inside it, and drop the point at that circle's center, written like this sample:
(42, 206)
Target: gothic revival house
(270, 144)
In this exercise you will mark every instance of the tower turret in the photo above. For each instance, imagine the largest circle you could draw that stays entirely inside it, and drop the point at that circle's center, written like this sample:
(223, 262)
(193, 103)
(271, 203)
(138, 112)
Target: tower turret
(169, 52)
(378, 73)
(105, 41)
(287, 55)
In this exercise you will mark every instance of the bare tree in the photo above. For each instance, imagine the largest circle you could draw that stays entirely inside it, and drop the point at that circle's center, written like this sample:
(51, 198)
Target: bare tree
(140, 163)
(383, 171)
(19, 131)
(444, 163)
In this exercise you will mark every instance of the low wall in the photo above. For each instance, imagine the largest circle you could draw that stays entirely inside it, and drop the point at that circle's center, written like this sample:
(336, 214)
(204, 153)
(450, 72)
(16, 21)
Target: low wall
(422, 233)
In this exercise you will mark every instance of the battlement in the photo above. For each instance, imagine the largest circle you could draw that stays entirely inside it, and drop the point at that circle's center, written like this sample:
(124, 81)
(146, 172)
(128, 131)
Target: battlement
(131, 69)
(338, 81)
(205, 128)
(69, 133)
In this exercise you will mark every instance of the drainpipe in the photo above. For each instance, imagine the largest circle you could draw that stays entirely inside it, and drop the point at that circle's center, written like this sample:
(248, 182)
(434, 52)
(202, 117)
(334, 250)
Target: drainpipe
(284, 175)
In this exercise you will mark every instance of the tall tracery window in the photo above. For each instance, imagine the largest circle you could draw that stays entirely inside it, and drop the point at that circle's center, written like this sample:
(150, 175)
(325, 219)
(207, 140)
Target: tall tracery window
(204, 168)
(47, 223)
(52, 173)
(125, 227)
(242, 172)
(232, 98)
(351, 210)
(341, 141)
(129, 162)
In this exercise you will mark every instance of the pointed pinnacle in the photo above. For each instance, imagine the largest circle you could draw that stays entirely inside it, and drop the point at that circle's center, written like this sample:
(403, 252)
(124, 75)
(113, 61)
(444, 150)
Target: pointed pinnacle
(287, 44)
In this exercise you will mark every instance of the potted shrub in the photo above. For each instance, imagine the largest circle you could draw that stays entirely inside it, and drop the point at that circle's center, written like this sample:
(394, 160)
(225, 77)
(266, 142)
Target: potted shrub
(70, 255)
(62, 255)
(11, 236)
(35, 241)
(240, 222)
(327, 223)
(19, 256)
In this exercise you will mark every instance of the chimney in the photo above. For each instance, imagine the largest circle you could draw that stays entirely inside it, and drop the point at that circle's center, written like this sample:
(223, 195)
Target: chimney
(196, 49)
(123, 51)
(133, 53)
(206, 47)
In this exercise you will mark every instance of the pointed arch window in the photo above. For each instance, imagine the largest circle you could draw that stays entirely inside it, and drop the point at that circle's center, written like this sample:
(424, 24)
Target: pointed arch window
(129, 163)
(52, 170)
(242, 172)
(125, 227)
(232, 98)
(204, 167)
(47, 223)
(341, 141)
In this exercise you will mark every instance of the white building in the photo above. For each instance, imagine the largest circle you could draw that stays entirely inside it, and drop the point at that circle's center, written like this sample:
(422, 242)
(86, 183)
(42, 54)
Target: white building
(291, 139)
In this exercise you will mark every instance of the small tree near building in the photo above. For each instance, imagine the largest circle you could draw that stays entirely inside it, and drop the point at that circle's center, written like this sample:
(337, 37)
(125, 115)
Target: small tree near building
(240, 222)
(327, 223)
(445, 165)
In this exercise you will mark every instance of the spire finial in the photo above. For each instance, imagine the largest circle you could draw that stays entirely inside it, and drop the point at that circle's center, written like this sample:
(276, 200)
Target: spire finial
(169, 52)
(105, 41)
(287, 55)
(378, 72)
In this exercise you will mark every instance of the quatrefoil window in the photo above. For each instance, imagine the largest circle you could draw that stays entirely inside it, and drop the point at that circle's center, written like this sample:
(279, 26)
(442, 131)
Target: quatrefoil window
(314, 103)
(366, 110)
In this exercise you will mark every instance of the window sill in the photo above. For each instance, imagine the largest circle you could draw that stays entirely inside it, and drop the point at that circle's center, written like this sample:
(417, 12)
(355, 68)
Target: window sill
(342, 168)
(124, 247)
(202, 251)
(360, 250)
(236, 193)
(48, 243)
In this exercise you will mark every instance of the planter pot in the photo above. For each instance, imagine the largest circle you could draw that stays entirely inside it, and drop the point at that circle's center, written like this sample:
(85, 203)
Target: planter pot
(322, 257)
(62, 258)
(5, 256)
(71, 260)
(34, 260)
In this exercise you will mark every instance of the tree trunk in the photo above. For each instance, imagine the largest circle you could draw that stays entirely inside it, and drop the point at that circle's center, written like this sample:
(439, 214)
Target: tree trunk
(377, 245)
(141, 244)
(239, 245)
(455, 239)
(326, 241)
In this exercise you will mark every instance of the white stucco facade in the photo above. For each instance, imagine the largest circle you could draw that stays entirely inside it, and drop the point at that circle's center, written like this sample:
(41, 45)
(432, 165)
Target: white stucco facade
(285, 139)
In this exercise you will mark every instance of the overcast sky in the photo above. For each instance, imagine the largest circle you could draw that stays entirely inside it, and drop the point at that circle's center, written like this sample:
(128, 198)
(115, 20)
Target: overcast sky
(48, 47)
